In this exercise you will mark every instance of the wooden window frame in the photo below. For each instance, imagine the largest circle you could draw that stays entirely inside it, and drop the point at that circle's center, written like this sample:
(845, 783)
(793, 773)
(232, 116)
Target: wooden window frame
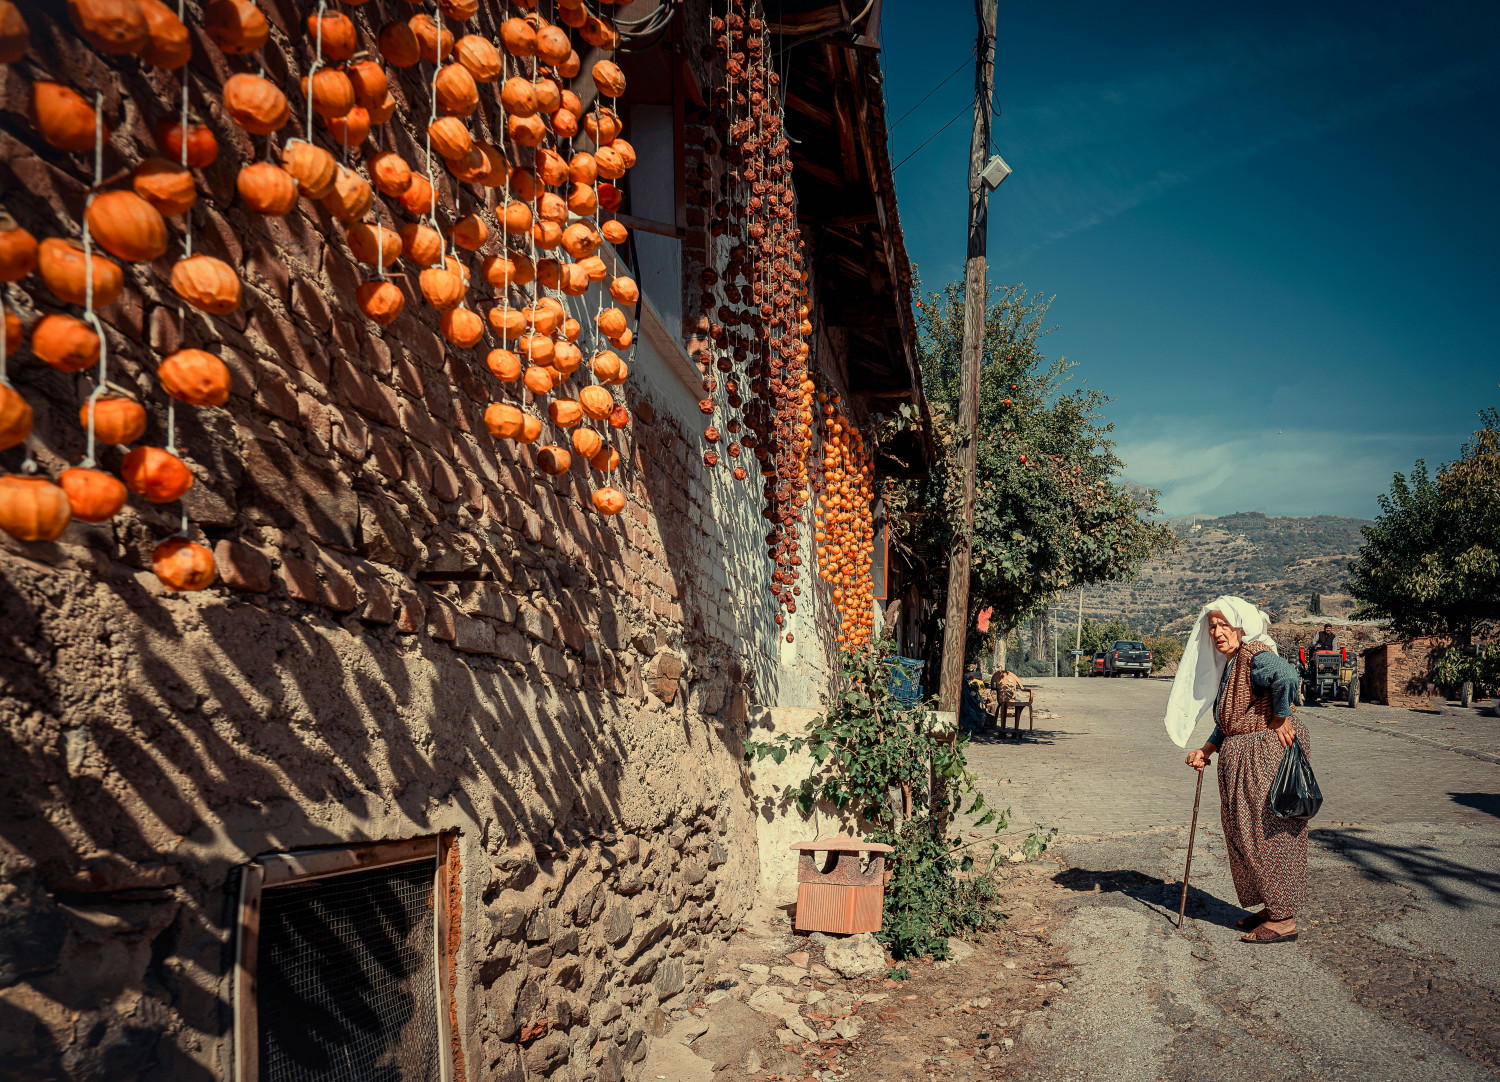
(326, 862)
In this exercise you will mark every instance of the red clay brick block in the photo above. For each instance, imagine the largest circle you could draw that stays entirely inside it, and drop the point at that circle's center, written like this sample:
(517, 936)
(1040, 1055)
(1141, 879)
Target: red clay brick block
(440, 620)
(380, 606)
(411, 615)
(337, 589)
(242, 567)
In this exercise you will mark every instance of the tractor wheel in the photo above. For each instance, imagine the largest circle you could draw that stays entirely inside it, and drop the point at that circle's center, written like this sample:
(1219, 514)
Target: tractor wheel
(1353, 695)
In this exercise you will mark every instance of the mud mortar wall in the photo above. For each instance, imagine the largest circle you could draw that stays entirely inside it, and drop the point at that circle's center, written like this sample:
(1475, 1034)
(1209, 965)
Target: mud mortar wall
(577, 720)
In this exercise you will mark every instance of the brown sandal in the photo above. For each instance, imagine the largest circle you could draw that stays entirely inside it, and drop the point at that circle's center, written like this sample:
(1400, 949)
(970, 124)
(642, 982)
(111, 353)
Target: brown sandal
(1254, 920)
(1262, 934)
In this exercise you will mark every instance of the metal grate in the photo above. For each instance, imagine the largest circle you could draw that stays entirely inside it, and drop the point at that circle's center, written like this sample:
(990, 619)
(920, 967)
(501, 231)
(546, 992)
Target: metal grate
(346, 982)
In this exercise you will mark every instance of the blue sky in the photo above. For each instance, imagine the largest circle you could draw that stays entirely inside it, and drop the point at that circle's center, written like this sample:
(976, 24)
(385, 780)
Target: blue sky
(1271, 230)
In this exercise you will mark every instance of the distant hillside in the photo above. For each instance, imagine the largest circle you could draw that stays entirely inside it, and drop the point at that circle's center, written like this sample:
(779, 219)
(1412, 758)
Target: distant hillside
(1277, 561)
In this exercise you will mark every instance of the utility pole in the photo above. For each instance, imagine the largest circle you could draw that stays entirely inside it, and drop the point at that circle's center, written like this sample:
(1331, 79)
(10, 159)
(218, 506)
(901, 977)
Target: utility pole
(956, 620)
(1078, 631)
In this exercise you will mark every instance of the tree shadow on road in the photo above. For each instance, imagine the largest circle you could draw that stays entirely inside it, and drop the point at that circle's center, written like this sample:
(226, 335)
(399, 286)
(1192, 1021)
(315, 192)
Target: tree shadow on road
(1153, 893)
(1417, 866)
(1489, 803)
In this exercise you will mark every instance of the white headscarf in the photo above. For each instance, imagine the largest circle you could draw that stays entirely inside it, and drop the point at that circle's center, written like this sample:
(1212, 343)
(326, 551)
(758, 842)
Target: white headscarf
(1196, 684)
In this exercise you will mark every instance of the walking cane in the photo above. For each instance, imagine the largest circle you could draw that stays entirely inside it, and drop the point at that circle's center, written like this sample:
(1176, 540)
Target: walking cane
(1192, 834)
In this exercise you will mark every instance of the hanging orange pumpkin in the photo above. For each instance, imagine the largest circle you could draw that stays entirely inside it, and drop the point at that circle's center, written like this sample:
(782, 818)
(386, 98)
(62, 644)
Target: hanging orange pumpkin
(515, 218)
(497, 168)
(571, 66)
(182, 566)
(15, 335)
(619, 417)
(529, 131)
(62, 267)
(166, 185)
(600, 32)
(15, 35)
(382, 111)
(587, 442)
(611, 322)
(548, 96)
(564, 123)
(33, 508)
(334, 34)
(201, 145)
(235, 26)
(470, 168)
(418, 198)
(208, 284)
(267, 189)
(390, 172)
(480, 57)
(381, 301)
(65, 343)
(609, 163)
(570, 329)
(606, 365)
(117, 27)
(470, 232)
(15, 418)
(552, 45)
(255, 104)
(422, 243)
(551, 167)
(537, 378)
(455, 90)
(126, 226)
(537, 348)
(441, 288)
(195, 376)
(369, 81)
(507, 268)
(434, 45)
(614, 232)
(351, 196)
(313, 167)
(62, 118)
(580, 240)
(459, 10)
(167, 46)
(331, 91)
(569, 15)
(518, 37)
(609, 79)
(553, 460)
(374, 243)
(508, 323)
(546, 234)
(603, 126)
(564, 412)
(606, 460)
(503, 365)
(398, 45)
(449, 137)
(517, 96)
(596, 402)
(116, 420)
(624, 290)
(93, 495)
(351, 129)
(18, 251)
(503, 420)
(462, 327)
(581, 200)
(624, 150)
(158, 475)
(608, 501)
(581, 168)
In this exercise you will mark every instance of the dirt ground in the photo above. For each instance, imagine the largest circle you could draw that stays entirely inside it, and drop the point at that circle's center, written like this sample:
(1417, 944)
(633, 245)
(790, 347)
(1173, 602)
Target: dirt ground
(962, 1019)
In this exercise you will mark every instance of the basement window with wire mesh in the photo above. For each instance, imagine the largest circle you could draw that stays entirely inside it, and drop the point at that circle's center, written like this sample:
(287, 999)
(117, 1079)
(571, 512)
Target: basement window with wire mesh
(341, 951)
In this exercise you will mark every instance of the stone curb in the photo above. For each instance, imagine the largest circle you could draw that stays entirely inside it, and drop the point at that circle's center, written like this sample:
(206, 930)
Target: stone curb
(1472, 753)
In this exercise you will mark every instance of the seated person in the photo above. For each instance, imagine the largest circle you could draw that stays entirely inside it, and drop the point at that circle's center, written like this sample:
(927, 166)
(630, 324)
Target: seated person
(1326, 638)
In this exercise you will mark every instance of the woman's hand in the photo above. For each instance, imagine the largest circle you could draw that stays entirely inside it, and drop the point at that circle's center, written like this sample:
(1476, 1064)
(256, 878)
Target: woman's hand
(1284, 732)
(1197, 758)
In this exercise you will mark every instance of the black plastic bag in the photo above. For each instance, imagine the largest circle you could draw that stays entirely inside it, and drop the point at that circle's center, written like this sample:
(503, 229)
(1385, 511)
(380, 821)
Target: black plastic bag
(1295, 793)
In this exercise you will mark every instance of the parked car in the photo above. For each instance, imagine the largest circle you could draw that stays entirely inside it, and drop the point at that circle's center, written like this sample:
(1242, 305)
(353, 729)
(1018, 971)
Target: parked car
(1096, 667)
(1127, 657)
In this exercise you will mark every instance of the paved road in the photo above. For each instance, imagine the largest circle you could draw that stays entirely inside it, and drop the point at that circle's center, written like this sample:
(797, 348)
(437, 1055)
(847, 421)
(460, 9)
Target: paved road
(1396, 973)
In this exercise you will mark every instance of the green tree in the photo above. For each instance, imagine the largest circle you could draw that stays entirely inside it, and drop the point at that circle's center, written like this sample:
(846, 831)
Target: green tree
(1431, 560)
(1050, 510)
(1165, 650)
(1315, 605)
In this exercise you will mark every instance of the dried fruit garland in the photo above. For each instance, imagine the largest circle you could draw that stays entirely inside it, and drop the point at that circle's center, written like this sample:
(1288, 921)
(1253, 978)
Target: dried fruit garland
(754, 302)
(844, 526)
(349, 92)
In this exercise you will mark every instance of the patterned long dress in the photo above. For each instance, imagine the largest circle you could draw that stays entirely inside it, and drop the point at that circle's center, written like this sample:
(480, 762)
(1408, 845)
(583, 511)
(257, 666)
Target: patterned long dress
(1267, 854)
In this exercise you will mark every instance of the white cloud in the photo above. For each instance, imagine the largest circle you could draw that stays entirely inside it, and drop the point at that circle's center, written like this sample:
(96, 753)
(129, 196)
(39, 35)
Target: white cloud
(1203, 469)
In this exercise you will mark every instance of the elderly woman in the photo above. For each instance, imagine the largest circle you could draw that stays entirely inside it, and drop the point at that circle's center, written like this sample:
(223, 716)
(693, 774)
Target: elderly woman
(1231, 658)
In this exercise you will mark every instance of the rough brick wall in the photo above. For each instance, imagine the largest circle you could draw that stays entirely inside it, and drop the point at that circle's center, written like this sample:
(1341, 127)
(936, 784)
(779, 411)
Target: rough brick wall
(1400, 673)
(576, 719)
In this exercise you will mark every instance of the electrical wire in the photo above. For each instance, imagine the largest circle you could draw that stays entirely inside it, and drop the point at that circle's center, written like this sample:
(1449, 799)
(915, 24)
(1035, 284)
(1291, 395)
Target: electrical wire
(933, 136)
(962, 64)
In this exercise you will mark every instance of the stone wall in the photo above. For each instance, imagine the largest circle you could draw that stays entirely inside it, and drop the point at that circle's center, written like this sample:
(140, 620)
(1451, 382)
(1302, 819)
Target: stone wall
(1400, 673)
(576, 718)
